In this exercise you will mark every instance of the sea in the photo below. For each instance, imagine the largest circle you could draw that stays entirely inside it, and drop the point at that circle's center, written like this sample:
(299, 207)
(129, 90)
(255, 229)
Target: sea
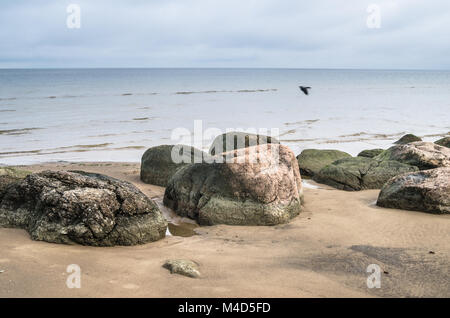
(74, 115)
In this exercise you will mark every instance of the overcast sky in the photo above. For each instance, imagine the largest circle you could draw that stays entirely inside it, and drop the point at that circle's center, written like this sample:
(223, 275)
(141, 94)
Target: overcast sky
(233, 33)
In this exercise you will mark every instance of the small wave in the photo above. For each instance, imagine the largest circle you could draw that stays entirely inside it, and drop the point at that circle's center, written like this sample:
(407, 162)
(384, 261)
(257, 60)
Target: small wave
(92, 146)
(129, 147)
(227, 91)
(68, 149)
(438, 135)
(299, 140)
(8, 98)
(289, 132)
(7, 110)
(200, 92)
(104, 135)
(139, 94)
(58, 150)
(307, 122)
(363, 136)
(22, 131)
(144, 118)
(257, 90)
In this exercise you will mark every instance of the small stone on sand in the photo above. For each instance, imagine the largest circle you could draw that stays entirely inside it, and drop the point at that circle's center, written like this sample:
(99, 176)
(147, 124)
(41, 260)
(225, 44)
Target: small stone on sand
(182, 267)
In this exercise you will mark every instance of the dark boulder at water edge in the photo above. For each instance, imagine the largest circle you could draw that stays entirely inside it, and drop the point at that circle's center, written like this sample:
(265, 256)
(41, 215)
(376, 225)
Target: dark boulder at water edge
(158, 166)
(370, 153)
(427, 191)
(406, 139)
(360, 173)
(445, 142)
(310, 161)
(79, 207)
(259, 185)
(238, 140)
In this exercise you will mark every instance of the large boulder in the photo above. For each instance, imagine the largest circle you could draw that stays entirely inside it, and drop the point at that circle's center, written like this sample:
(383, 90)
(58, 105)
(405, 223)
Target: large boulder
(370, 153)
(259, 185)
(427, 191)
(360, 173)
(406, 139)
(79, 207)
(425, 155)
(310, 161)
(444, 142)
(159, 163)
(10, 175)
(237, 140)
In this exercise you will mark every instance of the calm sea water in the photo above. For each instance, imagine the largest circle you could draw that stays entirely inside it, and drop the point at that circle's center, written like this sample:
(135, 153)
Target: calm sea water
(116, 114)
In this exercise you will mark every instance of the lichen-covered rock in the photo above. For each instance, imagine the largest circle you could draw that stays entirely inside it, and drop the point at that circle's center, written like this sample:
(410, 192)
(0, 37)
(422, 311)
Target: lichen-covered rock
(406, 139)
(425, 155)
(258, 185)
(310, 161)
(10, 175)
(159, 163)
(360, 173)
(427, 191)
(237, 140)
(370, 153)
(182, 267)
(445, 142)
(79, 207)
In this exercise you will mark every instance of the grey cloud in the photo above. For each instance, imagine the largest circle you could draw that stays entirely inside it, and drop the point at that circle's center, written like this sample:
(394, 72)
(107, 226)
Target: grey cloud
(204, 33)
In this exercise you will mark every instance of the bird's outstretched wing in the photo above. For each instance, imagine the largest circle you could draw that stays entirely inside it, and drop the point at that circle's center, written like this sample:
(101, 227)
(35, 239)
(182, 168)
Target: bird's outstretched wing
(305, 89)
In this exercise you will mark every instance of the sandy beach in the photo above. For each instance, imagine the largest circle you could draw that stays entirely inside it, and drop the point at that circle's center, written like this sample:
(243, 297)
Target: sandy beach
(324, 252)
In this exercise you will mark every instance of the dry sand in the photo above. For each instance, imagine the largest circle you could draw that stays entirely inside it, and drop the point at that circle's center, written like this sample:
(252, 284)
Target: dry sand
(322, 253)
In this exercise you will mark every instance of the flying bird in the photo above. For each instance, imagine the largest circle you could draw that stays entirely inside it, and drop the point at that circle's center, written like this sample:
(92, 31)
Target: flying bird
(304, 89)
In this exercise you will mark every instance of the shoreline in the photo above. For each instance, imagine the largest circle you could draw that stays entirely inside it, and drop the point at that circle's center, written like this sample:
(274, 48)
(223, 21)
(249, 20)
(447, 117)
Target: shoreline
(324, 252)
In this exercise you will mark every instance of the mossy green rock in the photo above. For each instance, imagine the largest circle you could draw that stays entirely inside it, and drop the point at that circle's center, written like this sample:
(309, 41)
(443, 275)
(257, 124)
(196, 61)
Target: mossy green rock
(311, 161)
(445, 142)
(10, 175)
(424, 155)
(370, 153)
(406, 139)
(237, 140)
(359, 173)
(263, 190)
(80, 207)
(158, 164)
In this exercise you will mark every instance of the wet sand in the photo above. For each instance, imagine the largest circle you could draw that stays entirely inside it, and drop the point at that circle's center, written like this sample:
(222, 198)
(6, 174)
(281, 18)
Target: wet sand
(324, 252)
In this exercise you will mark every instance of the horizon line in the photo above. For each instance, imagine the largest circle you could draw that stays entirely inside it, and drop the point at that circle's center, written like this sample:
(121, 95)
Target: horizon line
(230, 68)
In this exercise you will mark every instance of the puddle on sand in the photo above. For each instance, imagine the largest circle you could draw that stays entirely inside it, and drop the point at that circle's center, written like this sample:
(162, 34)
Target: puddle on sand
(178, 226)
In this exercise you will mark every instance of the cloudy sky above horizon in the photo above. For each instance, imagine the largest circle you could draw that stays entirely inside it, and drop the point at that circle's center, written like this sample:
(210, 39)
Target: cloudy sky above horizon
(414, 34)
